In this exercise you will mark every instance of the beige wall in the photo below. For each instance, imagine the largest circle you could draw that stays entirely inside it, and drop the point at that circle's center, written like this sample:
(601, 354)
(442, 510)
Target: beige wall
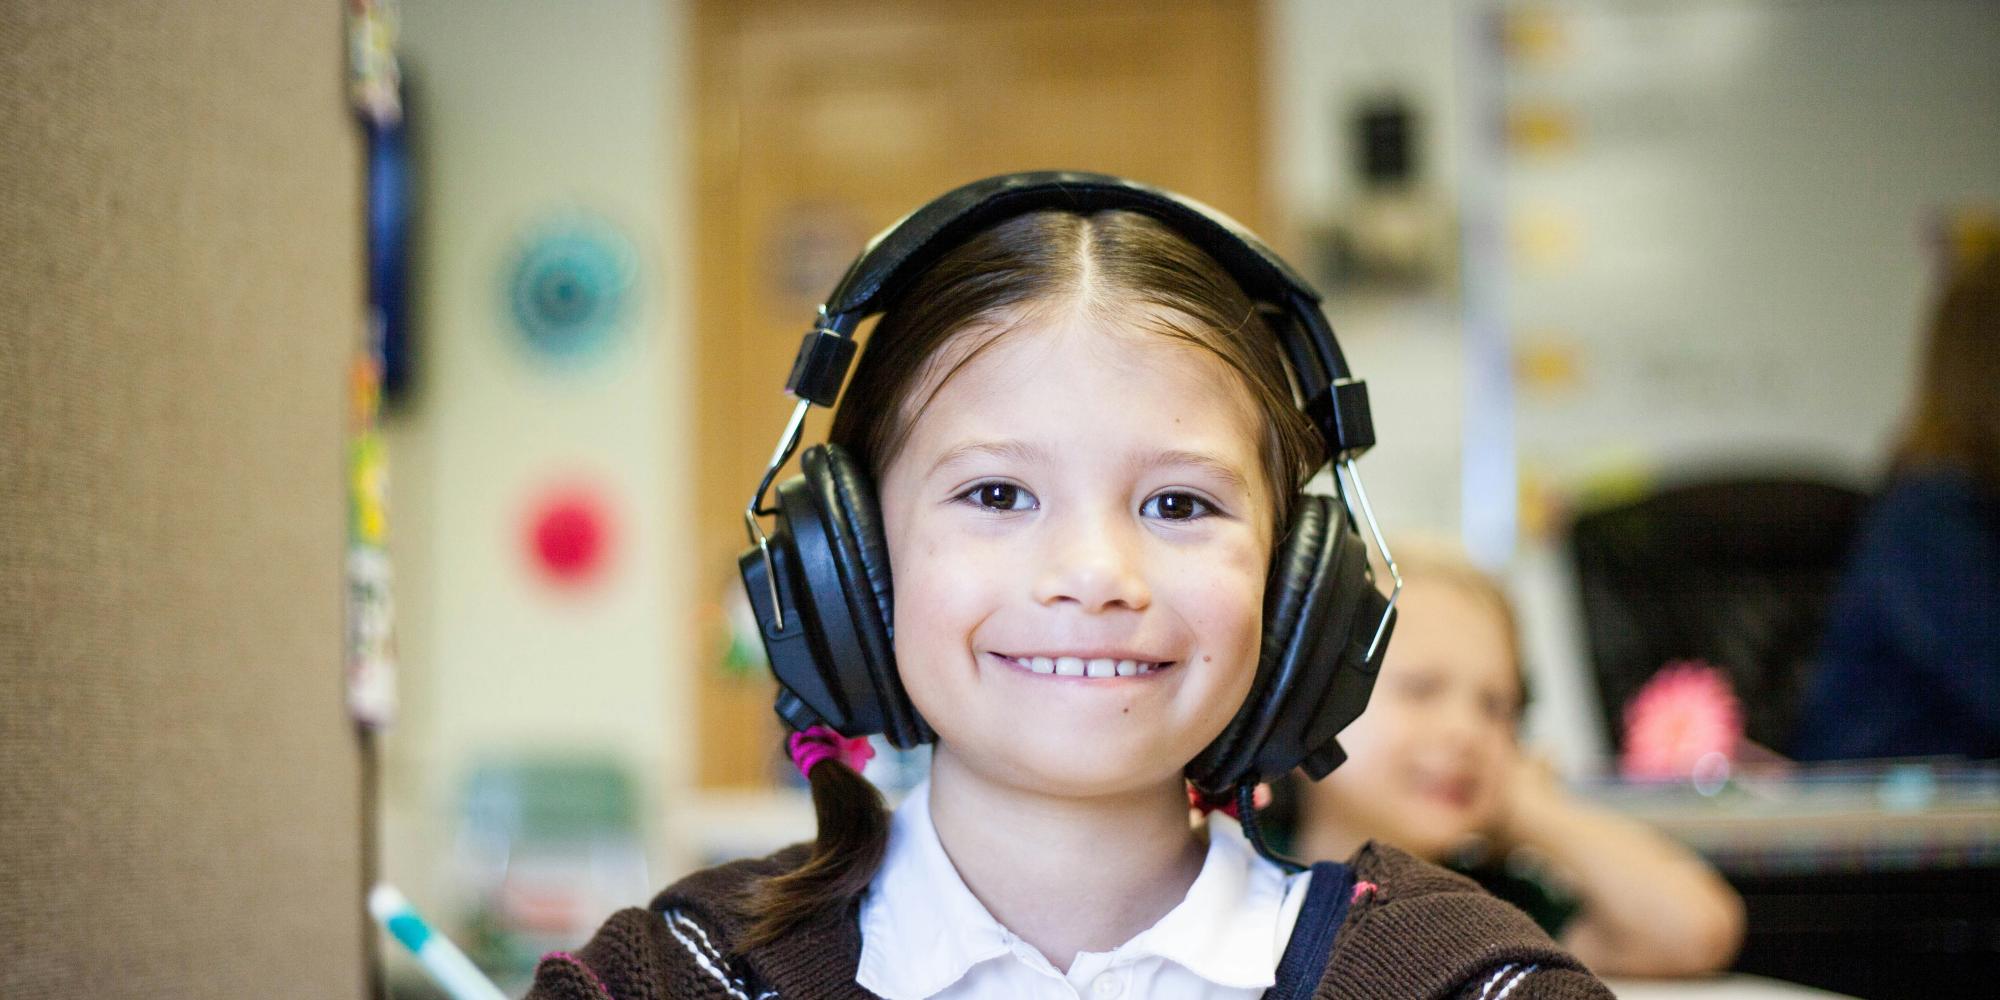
(530, 114)
(180, 288)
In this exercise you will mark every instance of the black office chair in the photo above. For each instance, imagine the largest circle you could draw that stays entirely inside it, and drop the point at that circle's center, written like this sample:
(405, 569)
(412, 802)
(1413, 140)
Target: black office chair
(1737, 572)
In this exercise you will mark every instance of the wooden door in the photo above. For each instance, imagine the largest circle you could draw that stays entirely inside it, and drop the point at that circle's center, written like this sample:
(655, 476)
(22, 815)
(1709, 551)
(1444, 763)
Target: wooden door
(818, 122)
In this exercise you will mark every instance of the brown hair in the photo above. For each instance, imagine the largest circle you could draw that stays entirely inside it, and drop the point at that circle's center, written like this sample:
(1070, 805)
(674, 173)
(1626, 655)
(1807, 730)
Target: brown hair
(1124, 265)
(1957, 412)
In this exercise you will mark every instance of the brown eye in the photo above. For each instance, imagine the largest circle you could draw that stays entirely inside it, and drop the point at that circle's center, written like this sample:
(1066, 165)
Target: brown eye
(999, 496)
(1176, 507)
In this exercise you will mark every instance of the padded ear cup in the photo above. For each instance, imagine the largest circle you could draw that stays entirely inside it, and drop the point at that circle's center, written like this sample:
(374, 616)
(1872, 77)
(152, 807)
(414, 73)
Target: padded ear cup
(1337, 623)
(853, 585)
(1313, 675)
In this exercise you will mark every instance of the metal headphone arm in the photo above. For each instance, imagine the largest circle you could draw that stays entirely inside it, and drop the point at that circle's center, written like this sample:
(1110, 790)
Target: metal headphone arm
(818, 371)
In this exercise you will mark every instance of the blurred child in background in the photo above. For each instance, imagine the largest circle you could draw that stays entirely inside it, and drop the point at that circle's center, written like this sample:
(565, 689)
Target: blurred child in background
(1434, 767)
(1910, 665)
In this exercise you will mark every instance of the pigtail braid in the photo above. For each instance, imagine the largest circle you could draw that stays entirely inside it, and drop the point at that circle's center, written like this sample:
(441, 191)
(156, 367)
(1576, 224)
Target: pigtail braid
(853, 834)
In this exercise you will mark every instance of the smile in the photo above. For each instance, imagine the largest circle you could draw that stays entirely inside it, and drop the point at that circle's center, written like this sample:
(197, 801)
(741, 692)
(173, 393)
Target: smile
(1080, 666)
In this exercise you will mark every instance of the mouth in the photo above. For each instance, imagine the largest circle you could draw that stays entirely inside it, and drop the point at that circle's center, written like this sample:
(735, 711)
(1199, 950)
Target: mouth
(1064, 665)
(1455, 792)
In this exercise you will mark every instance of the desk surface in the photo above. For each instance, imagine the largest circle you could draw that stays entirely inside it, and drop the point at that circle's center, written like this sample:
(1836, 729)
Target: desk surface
(1730, 987)
(1814, 818)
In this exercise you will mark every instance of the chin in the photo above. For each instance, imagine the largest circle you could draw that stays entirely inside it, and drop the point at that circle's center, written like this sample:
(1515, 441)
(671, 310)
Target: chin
(1430, 834)
(1078, 767)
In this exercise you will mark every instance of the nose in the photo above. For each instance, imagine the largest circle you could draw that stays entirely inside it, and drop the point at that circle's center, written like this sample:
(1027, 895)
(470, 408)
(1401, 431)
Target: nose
(1094, 563)
(1459, 724)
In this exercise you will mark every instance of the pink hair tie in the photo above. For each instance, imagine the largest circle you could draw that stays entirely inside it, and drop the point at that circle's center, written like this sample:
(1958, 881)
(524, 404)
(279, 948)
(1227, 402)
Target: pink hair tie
(821, 743)
(1225, 802)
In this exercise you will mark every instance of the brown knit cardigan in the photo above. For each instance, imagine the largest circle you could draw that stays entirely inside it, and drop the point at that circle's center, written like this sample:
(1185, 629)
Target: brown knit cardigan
(1421, 932)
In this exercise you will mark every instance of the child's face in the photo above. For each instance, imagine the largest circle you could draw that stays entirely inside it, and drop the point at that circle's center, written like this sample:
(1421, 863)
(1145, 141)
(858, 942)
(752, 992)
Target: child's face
(1427, 761)
(1083, 490)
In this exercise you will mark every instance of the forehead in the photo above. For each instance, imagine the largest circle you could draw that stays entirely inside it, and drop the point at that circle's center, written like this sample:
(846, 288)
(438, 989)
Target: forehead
(1080, 378)
(1443, 625)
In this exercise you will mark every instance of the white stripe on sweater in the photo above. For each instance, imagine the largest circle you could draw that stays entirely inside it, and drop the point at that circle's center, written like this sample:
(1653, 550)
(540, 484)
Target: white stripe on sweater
(1516, 981)
(676, 916)
(1486, 990)
(701, 957)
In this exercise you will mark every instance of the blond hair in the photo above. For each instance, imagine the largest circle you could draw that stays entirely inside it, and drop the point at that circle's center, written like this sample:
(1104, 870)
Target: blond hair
(1957, 412)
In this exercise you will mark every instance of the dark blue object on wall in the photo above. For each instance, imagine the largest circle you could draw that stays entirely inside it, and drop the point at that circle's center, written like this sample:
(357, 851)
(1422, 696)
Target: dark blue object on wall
(389, 211)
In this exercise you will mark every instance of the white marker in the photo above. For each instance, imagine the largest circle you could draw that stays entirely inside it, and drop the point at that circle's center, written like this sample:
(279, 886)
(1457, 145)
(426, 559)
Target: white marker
(439, 957)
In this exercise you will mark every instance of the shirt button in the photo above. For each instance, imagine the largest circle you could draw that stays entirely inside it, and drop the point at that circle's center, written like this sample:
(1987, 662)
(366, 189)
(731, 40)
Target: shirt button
(1107, 985)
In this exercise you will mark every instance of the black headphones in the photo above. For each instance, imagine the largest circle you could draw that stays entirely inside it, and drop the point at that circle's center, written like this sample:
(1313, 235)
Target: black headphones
(819, 582)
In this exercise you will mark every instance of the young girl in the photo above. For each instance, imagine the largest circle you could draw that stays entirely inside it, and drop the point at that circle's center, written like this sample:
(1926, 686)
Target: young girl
(1434, 769)
(1083, 438)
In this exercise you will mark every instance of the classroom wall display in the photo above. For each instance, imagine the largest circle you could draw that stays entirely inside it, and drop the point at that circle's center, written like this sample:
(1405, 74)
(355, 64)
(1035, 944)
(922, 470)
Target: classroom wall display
(570, 286)
(375, 88)
(539, 575)
(1703, 228)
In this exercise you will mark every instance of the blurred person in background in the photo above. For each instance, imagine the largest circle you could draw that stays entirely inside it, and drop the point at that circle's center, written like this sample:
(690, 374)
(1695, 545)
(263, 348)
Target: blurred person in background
(1434, 768)
(1910, 664)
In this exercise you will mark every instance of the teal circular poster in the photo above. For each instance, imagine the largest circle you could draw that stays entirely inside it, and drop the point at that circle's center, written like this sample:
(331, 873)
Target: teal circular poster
(570, 288)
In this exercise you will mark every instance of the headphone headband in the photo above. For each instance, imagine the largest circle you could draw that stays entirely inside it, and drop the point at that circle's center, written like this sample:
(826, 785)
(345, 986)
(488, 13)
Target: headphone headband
(1337, 404)
(895, 256)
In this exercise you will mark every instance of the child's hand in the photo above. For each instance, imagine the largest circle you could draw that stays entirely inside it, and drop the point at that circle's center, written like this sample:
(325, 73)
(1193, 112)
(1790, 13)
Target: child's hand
(1531, 796)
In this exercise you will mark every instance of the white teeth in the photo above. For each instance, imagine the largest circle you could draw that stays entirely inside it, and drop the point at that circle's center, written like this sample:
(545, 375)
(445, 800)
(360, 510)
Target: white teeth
(1077, 666)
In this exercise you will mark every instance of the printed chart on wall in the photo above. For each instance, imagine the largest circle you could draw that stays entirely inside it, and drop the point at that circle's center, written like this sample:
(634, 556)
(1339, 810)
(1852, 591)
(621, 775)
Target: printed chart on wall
(1712, 228)
(375, 88)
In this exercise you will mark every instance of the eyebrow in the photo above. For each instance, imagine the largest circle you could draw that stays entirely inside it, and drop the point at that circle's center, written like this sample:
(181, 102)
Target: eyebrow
(1016, 451)
(1208, 463)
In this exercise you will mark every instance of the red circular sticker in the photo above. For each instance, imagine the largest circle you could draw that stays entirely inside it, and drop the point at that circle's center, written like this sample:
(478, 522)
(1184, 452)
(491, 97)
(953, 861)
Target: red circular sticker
(569, 536)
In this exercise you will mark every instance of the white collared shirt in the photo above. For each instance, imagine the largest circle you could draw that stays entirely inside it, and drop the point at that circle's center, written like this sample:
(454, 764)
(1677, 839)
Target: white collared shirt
(924, 936)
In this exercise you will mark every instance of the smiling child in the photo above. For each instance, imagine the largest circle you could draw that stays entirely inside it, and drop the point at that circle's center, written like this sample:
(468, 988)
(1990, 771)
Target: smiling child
(1088, 455)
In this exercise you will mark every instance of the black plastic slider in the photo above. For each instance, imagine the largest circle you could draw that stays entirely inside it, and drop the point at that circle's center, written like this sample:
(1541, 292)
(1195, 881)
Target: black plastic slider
(1321, 762)
(1343, 416)
(820, 367)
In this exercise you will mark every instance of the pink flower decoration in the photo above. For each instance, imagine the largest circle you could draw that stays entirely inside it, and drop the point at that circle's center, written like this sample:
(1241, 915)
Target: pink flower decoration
(1683, 715)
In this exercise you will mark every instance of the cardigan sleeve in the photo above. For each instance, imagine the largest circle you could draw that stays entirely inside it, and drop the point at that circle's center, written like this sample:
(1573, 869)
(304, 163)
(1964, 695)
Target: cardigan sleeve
(1529, 981)
(624, 960)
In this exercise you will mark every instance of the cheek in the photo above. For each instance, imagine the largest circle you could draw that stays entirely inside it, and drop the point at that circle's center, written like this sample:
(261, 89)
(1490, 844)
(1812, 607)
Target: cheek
(1362, 739)
(937, 590)
(1500, 750)
(1371, 748)
(1220, 593)
(1363, 789)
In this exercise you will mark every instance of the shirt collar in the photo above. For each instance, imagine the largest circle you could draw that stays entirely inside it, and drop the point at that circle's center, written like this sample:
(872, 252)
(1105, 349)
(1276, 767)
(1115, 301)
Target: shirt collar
(937, 930)
(1225, 930)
